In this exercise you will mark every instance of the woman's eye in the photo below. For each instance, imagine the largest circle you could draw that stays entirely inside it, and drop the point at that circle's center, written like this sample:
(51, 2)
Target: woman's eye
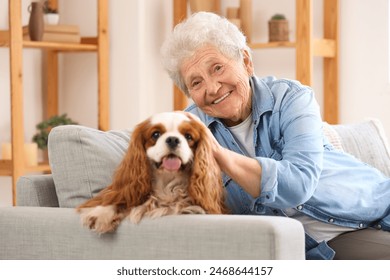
(195, 84)
(218, 68)
(156, 135)
(188, 136)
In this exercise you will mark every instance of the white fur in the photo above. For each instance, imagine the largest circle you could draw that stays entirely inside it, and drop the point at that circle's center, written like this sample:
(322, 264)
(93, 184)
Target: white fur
(101, 217)
(171, 122)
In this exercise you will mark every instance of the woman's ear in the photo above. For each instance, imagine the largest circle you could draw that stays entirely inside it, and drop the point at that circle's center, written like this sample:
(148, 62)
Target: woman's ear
(248, 63)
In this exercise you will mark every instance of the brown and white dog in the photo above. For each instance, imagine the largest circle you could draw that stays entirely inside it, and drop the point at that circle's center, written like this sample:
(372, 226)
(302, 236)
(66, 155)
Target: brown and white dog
(168, 169)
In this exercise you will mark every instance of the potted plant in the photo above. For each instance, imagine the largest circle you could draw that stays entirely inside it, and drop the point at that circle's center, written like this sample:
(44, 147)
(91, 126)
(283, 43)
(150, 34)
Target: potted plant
(41, 137)
(278, 28)
(51, 15)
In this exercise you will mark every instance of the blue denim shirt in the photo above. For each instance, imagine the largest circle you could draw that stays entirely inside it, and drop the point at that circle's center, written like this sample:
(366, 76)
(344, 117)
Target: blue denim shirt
(300, 168)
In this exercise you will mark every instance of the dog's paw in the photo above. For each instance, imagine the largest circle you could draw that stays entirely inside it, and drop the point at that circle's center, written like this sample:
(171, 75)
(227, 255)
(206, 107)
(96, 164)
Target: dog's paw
(100, 219)
(193, 209)
(136, 214)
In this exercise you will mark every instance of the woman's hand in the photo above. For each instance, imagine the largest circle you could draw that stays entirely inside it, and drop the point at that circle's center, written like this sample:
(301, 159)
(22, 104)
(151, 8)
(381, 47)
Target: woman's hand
(216, 147)
(245, 171)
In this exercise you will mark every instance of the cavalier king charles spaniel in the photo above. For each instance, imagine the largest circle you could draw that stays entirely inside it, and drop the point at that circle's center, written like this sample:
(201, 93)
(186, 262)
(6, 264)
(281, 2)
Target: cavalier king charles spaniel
(168, 169)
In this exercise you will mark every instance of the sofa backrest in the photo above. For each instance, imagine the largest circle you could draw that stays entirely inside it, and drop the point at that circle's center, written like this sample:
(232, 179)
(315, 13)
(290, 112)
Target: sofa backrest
(365, 140)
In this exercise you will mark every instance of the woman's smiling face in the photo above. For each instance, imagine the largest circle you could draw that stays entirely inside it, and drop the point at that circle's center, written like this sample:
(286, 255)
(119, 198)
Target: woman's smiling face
(219, 85)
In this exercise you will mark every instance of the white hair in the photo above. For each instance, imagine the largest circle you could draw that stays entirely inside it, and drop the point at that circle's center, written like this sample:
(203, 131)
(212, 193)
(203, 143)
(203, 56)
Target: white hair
(198, 30)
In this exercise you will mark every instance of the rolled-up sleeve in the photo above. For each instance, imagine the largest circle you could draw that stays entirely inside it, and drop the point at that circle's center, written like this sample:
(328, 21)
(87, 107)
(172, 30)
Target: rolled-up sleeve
(291, 171)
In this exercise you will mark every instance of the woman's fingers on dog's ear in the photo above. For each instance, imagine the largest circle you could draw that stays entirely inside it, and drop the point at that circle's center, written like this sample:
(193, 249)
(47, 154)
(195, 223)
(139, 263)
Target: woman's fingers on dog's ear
(195, 118)
(190, 116)
(182, 112)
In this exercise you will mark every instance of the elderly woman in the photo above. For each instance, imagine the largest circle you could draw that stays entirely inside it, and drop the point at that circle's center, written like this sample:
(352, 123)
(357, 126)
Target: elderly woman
(270, 146)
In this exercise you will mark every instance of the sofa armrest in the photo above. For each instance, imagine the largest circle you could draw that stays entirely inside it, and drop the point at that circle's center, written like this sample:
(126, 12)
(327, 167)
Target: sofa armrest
(36, 190)
(56, 233)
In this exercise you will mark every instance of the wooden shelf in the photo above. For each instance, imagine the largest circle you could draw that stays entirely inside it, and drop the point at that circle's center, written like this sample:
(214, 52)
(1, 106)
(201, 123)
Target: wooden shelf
(271, 45)
(88, 44)
(66, 47)
(321, 47)
(6, 167)
(41, 167)
(13, 39)
(60, 46)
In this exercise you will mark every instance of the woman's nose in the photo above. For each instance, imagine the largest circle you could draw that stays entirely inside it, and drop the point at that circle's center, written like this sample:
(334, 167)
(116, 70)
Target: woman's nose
(212, 86)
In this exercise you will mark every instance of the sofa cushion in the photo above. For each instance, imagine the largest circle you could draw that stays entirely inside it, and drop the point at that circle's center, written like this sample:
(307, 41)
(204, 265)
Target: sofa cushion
(367, 141)
(332, 136)
(83, 160)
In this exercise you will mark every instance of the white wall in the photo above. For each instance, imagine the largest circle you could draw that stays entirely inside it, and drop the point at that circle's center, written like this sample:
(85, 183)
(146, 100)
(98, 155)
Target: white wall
(364, 54)
(139, 87)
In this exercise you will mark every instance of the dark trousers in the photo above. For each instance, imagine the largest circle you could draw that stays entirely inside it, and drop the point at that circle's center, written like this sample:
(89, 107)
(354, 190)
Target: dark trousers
(365, 244)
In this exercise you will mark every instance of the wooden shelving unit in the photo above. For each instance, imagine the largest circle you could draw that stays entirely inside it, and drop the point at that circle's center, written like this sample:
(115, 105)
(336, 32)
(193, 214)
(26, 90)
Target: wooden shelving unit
(306, 48)
(13, 39)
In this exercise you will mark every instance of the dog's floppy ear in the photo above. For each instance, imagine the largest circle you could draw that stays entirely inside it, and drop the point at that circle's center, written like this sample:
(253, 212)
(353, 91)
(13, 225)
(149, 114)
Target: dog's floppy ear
(133, 176)
(205, 183)
(132, 180)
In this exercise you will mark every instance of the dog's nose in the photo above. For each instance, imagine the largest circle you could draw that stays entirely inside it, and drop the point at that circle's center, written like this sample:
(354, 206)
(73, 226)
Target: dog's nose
(172, 142)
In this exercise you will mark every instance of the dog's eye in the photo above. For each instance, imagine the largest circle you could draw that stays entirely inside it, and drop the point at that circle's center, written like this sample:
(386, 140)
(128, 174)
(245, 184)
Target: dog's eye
(188, 136)
(156, 135)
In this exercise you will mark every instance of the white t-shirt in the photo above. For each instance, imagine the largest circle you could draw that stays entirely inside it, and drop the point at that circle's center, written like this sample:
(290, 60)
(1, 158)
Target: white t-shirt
(243, 133)
(318, 230)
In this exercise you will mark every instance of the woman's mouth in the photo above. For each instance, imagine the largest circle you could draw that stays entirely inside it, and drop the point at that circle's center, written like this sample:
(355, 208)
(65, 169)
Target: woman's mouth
(222, 98)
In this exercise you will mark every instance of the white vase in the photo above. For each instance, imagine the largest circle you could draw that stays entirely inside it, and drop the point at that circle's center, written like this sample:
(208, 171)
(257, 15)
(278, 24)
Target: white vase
(52, 19)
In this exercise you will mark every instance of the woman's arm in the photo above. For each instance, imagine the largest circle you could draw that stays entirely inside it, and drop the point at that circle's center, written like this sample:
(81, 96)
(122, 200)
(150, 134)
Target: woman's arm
(245, 171)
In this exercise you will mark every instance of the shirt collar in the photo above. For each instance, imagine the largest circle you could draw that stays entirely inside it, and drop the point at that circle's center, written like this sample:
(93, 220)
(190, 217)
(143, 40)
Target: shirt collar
(262, 97)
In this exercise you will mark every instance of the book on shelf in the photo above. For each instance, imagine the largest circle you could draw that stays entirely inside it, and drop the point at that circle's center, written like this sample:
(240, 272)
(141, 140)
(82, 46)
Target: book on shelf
(62, 28)
(57, 33)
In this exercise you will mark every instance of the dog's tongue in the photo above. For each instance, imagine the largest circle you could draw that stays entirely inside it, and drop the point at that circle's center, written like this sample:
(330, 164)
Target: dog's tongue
(171, 163)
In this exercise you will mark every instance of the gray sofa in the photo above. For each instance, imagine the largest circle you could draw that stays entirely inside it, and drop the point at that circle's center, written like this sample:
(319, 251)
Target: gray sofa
(44, 225)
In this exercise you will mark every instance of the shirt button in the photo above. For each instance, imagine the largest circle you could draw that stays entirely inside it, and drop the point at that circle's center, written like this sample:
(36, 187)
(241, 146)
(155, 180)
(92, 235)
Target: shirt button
(361, 225)
(300, 207)
(260, 208)
(378, 226)
(331, 220)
